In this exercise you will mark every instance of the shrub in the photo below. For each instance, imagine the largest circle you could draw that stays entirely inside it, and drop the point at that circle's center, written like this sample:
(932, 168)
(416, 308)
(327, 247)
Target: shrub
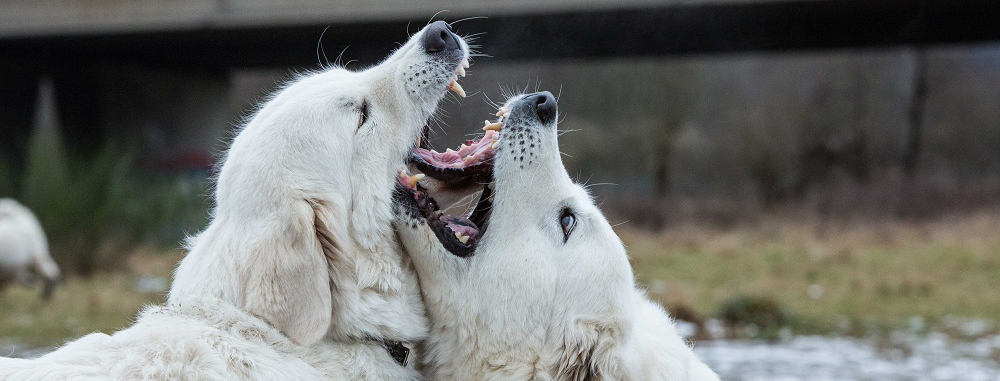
(764, 313)
(96, 208)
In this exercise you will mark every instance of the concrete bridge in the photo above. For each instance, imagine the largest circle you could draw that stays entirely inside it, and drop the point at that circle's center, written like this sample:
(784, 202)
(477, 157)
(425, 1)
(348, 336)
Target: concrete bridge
(159, 69)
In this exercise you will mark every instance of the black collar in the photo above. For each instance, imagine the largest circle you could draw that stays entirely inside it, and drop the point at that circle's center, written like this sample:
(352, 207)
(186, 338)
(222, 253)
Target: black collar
(399, 351)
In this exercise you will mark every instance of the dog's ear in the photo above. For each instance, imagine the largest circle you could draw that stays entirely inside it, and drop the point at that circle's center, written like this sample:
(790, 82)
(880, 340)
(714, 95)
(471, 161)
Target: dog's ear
(594, 351)
(289, 286)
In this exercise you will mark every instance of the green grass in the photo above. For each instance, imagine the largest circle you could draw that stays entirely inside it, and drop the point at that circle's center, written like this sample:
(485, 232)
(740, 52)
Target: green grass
(104, 302)
(870, 276)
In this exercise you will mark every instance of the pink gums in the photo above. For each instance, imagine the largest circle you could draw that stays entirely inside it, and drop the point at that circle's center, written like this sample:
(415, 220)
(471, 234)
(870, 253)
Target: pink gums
(450, 221)
(471, 153)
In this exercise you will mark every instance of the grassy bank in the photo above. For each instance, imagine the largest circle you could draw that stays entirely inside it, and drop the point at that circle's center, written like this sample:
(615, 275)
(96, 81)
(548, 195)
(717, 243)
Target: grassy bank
(848, 279)
(104, 302)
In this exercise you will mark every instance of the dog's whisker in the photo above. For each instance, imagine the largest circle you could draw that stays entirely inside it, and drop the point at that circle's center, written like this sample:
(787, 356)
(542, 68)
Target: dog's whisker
(319, 48)
(435, 16)
(340, 56)
(467, 19)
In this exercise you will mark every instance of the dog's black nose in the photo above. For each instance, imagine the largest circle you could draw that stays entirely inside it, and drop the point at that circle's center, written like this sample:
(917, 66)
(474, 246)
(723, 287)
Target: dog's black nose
(544, 105)
(438, 38)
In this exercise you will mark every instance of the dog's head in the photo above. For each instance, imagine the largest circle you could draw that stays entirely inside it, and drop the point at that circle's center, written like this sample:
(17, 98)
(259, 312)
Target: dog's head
(535, 262)
(325, 125)
(305, 189)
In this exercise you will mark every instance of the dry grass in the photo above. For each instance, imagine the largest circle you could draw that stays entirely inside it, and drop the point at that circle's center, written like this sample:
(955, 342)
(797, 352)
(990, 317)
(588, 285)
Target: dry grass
(828, 277)
(102, 303)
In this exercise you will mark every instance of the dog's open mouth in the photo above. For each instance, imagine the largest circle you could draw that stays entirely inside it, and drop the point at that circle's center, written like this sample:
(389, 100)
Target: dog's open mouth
(466, 171)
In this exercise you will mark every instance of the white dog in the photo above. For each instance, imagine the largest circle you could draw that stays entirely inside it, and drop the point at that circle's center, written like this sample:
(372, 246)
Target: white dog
(24, 251)
(299, 276)
(534, 284)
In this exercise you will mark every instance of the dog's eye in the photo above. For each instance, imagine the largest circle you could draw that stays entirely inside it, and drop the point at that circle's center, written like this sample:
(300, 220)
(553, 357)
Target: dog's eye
(364, 113)
(568, 222)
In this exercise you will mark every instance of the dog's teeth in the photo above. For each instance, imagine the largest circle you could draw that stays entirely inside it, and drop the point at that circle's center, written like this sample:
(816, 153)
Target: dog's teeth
(492, 185)
(461, 71)
(457, 89)
(456, 165)
(492, 126)
(492, 197)
(465, 63)
(462, 238)
(449, 150)
(412, 181)
(494, 145)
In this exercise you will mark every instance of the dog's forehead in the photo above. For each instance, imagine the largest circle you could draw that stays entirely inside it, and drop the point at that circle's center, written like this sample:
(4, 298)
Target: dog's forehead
(373, 85)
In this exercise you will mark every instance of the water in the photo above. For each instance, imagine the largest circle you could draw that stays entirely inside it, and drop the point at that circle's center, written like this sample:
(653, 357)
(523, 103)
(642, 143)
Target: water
(900, 357)
(932, 357)
(12, 349)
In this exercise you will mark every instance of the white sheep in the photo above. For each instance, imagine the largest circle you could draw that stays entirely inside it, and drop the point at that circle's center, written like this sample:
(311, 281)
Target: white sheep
(24, 251)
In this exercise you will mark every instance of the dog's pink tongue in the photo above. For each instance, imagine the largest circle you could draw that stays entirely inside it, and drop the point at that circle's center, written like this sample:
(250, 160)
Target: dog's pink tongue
(460, 225)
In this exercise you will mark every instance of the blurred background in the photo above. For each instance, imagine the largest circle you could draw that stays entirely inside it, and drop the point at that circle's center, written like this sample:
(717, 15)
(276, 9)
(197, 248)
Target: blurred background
(811, 187)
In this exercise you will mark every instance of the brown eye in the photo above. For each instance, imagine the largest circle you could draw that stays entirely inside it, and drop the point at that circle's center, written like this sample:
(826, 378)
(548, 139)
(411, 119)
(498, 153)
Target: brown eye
(568, 222)
(364, 113)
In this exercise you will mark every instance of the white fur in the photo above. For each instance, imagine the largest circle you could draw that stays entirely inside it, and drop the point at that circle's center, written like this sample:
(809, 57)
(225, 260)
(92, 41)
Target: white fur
(301, 241)
(526, 305)
(24, 251)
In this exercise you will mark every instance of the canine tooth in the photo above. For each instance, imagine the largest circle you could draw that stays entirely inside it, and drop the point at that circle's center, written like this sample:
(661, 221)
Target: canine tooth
(461, 71)
(492, 185)
(494, 145)
(457, 89)
(449, 150)
(492, 197)
(493, 126)
(465, 63)
(412, 181)
(456, 165)
(462, 238)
